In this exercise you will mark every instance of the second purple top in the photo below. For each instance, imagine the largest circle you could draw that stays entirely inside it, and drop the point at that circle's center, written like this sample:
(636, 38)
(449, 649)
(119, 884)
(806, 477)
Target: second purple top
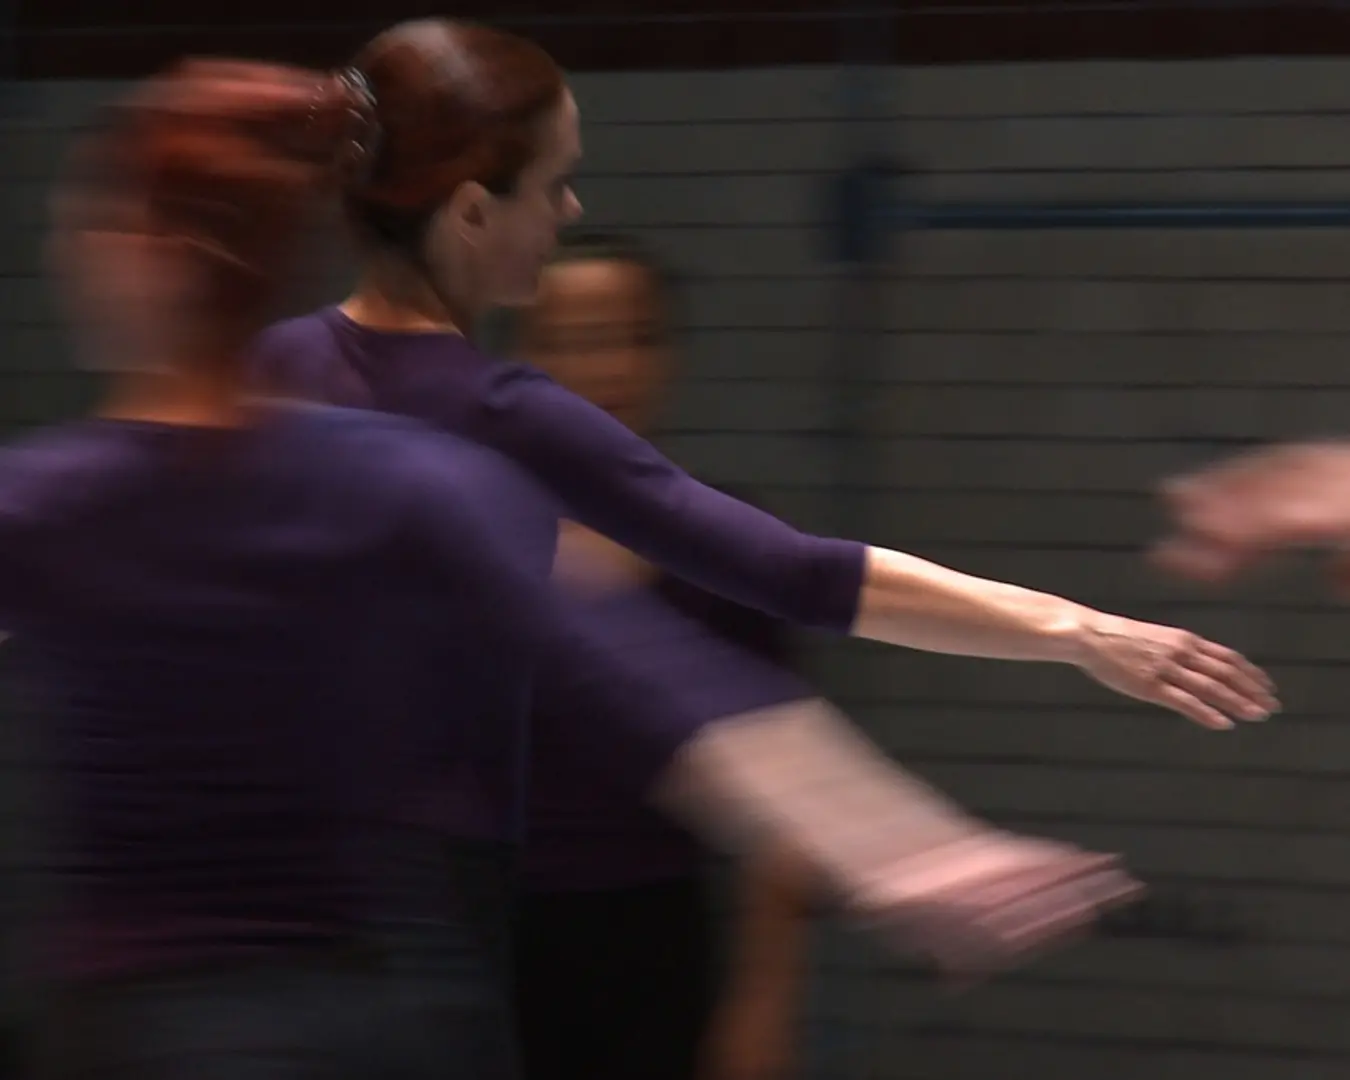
(603, 475)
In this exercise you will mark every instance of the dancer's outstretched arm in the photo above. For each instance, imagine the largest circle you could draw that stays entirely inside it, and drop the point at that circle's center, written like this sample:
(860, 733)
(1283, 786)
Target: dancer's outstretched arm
(620, 485)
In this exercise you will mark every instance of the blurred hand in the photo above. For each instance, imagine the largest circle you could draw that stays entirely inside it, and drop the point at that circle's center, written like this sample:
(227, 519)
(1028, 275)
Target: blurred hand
(1207, 683)
(1230, 516)
(979, 905)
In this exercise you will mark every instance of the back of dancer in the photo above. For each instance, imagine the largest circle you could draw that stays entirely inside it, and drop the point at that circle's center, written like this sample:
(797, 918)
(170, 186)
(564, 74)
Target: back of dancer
(234, 614)
(225, 627)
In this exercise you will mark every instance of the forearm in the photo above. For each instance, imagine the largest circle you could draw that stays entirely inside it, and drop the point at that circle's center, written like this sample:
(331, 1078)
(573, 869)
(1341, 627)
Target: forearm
(909, 601)
(900, 858)
(769, 936)
(801, 776)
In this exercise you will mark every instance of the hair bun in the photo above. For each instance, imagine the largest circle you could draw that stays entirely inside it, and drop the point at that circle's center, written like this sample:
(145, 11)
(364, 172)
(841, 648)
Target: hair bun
(360, 135)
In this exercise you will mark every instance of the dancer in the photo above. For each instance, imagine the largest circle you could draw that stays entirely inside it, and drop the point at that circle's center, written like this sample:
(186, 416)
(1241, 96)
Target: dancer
(467, 192)
(259, 631)
(619, 956)
(223, 601)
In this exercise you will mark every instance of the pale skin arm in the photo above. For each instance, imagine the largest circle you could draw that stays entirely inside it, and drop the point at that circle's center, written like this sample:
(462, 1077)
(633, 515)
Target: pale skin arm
(622, 487)
(892, 854)
(911, 602)
(919, 604)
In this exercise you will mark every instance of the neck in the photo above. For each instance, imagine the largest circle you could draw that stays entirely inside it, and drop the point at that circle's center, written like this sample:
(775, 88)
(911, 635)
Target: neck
(188, 397)
(395, 297)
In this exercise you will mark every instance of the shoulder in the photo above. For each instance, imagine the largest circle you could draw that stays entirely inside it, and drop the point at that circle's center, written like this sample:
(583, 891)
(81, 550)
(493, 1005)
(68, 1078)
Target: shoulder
(58, 470)
(83, 446)
(506, 384)
(438, 471)
(382, 447)
(302, 357)
(301, 332)
(558, 433)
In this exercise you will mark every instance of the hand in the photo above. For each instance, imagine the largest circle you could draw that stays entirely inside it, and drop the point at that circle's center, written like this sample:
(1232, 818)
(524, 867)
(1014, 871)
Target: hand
(1207, 683)
(1230, 516)
(977, 905)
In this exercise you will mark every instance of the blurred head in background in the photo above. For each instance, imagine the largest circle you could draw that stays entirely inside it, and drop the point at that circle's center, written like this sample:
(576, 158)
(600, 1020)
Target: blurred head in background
(602, 325)
(176, 224)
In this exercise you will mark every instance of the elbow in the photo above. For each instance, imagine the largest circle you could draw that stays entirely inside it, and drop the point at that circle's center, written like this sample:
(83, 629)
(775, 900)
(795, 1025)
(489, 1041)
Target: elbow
(830, 593)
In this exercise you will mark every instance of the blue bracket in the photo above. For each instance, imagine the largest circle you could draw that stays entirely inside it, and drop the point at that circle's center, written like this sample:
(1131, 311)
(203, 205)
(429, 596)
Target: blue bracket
(1122, 215)
(861, 202)
(866, 205)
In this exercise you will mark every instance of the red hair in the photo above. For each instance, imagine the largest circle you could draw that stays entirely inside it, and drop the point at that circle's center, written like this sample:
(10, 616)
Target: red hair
(222, 159)
(456, 103)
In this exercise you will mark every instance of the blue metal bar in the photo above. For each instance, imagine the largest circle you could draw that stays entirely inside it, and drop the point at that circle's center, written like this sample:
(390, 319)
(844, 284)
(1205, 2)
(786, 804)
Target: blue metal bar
(1123, 215)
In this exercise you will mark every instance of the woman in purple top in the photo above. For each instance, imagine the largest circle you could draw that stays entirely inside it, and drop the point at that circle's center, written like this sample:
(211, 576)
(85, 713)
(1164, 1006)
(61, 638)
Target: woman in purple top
(621, 968)
(252, 626)
(469, 188)
(263, 632)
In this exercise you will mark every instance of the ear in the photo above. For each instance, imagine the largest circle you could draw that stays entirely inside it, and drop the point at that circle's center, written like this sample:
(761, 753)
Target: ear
(467, 213)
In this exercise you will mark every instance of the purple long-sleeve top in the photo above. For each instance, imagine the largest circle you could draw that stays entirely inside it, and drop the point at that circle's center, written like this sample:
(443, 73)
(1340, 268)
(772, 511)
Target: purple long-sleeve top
(590, 823)
(588, 828)
(602, 474)
(259, 651)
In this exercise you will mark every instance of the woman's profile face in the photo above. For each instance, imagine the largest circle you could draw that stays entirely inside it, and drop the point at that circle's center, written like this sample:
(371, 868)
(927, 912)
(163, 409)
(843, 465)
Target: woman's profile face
(599, 327)
(502, 242)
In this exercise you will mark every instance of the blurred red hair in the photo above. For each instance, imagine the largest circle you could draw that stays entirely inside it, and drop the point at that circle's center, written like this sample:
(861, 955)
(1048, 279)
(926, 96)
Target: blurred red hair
(221, 161)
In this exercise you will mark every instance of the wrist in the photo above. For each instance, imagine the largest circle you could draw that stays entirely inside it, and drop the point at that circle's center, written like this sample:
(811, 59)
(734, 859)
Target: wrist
(1070, 632)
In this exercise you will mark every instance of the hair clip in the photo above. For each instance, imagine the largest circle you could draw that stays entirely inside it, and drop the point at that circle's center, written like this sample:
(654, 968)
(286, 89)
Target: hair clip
(355, 155)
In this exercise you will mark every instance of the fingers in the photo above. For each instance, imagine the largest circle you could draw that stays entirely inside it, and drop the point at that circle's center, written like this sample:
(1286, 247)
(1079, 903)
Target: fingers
(1211, 681)
(1059, 909)
(1003, 898)
(984, 936)
(1208, 683)
(1195, 710)
(1242, 671)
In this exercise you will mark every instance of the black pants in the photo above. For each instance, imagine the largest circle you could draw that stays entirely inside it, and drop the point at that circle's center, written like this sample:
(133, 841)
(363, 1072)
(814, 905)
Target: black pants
(420, 996)
(299, 1021)
(615, 984)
